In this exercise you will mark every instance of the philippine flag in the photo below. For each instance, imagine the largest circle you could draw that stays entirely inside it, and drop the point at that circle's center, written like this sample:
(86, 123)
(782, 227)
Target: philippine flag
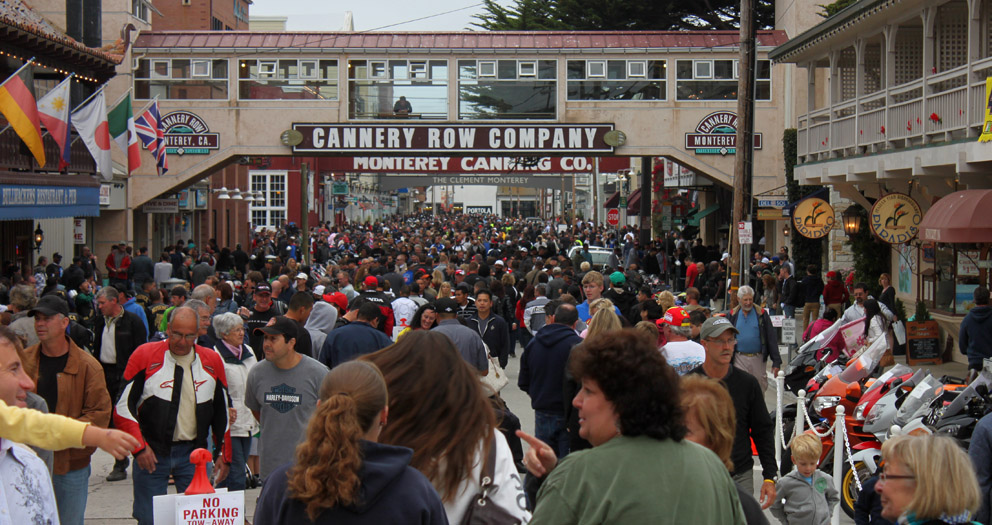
(54, 113)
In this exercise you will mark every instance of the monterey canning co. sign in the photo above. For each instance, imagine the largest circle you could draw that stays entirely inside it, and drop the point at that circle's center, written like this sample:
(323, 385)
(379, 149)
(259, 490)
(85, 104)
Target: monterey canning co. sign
(453, 139)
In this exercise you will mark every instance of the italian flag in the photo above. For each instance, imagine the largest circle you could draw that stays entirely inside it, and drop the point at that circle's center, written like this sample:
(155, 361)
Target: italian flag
(120, 122)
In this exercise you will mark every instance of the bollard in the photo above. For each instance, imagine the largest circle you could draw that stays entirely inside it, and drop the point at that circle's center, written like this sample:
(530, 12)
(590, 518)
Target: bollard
(779, 434)
(201, 483)
(800, 413)
(838, 459)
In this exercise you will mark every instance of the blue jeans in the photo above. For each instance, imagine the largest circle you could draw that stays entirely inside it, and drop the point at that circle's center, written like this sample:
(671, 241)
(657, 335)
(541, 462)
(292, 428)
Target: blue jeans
(71, 490)
(790, 311)
(148, 484)
(240, 446)
(549, 427)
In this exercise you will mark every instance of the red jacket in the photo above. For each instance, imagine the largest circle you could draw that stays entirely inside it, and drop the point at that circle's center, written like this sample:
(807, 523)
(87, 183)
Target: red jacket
(125, 264)
(834, 292)
(148, 405)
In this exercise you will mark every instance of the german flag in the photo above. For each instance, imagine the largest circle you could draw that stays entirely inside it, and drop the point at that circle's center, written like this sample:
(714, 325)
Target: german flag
(18, 105)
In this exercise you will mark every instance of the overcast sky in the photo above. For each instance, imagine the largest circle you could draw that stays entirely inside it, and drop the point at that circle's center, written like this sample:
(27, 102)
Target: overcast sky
(322, 15)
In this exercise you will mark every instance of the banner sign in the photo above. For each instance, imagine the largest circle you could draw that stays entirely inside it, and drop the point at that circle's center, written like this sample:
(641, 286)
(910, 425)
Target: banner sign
(453, 139)
(79, 231)
(520, 181)
(45, 202)
(161, 206)
(187, 133)
(452, 165)
(987, 127)
(895, 218)
(716, 133)
(813, 218)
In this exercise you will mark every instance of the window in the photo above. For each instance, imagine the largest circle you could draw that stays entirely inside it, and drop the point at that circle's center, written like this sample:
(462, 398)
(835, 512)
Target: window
(181, 79)
(950, 273)
(304, 78)
(507, 89)
(717, 79)
(139, 8)
(617, 79)
(271, 211)
(376, 86)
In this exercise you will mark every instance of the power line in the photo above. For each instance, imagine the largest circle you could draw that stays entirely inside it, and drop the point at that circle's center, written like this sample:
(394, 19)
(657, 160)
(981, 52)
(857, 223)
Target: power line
(424, 18)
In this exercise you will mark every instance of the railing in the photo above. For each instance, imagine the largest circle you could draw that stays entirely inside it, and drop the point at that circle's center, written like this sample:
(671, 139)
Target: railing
(913, 113)
(14, 155)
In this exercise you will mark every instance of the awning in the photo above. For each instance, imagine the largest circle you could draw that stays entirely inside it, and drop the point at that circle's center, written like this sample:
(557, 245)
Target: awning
(959, 217)
(22, 201)
(696, 215)
(613, 201)
(633, 202)
(822, 192)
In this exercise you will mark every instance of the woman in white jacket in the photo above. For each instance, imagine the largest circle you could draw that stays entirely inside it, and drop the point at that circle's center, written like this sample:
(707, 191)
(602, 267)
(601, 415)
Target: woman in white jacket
(238, 359)
(438, 409)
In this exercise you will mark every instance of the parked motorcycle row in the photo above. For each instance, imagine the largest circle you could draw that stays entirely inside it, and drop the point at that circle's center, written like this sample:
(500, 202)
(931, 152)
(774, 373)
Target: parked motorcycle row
(877, 404)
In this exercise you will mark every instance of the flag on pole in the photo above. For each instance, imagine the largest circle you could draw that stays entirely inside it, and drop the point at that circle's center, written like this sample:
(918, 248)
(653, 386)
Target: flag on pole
(17, 103)
(91, 123)
(152, 135)
(121, 124)
(55, 113)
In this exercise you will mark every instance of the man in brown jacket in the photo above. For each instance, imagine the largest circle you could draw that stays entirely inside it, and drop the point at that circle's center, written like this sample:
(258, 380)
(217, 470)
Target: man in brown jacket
(71, 382)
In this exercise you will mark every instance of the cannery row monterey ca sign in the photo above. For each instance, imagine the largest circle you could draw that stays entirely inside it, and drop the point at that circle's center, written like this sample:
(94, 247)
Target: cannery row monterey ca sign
(716, 133)
(187, 134)
(453, 139)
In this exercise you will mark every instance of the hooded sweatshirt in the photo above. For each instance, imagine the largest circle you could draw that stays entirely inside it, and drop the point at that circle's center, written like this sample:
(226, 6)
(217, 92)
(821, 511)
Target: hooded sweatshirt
(542, 367)
(801, 501)
(390, 491)
(975, 337)
(320, 323)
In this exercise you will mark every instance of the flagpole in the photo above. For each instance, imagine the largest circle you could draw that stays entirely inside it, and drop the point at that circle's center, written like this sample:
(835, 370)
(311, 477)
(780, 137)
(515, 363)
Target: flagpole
(148, 105)
(83, 103)
(26, 64)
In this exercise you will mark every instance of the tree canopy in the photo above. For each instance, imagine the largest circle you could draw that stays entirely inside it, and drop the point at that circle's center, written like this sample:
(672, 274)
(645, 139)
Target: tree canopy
(618, 15)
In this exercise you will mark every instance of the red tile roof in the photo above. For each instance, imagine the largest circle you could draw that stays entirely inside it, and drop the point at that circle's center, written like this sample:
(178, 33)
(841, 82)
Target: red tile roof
(16, 16)
(463, 40)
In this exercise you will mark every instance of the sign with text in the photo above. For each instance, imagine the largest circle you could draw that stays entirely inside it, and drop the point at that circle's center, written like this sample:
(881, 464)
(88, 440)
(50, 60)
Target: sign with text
(161, 206)
(771, 214)
(220, 508)
(716, 133)
(789, 331)
(745, 232)
(895, 218)
(773, 202)
(452, 138)
(187, 133)
(79, 231)
(813, 218)
(452, 165)
(395, 182)
(613, 217)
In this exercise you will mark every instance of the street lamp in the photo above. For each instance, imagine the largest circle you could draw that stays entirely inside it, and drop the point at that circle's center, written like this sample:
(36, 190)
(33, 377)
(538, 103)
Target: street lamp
(39, 236)
(852, 221)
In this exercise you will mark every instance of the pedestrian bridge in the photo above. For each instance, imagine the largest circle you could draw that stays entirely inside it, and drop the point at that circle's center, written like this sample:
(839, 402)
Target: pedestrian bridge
(229, 95)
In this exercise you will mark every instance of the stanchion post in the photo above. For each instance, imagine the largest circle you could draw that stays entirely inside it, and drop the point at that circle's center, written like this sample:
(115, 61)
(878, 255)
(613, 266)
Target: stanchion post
(800, 413)
(779, 434)
(838, 459)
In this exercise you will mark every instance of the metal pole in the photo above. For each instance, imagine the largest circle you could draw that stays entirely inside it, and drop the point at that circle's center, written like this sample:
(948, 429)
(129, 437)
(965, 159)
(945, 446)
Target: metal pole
(644, 215)
(838, 458)
(304, 214)
(595, 191)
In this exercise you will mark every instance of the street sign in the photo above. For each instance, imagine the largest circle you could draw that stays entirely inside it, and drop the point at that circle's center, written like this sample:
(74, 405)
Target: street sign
(623, 201)
(789, 331)
(666, 223)
(745, 232)
(613, 217)
(771, 214)
(773, 202)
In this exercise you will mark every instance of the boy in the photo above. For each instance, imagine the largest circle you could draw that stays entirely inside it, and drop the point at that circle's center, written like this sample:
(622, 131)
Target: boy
(805, 495)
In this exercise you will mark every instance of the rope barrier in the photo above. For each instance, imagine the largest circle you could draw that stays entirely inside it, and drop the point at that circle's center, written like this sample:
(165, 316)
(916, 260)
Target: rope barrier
(850, 457)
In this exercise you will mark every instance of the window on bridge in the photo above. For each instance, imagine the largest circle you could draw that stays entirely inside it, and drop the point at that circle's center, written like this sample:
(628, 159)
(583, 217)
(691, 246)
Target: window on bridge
(181, 79)
(375, 87)
(507, 89)
(281, 79)
(617, 80)
(717, 80)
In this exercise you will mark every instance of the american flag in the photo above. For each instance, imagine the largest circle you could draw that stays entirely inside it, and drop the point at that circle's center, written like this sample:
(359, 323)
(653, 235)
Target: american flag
(149, 128)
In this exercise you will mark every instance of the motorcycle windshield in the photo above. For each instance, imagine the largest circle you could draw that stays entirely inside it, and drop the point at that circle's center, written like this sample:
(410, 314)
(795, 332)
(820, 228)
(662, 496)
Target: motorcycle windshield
(821, 339)
(896, 371)
(961, 401)
(865, 365)
(826, 373)
(880, 417)
(919, 400)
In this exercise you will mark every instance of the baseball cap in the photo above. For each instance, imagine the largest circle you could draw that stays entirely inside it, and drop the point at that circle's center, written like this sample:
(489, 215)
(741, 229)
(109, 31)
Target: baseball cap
(617, 278)
(764, 260)
(318, 290)
(831, 275)
(301, 275)
(499, 262)
(445, 305)
(459, 272)
(371, 282)
(715, 326)
(339, 299)
(263, 288)
(282, 326)
(50, 305)
(675, 316)
(421, 273)
(725, 256)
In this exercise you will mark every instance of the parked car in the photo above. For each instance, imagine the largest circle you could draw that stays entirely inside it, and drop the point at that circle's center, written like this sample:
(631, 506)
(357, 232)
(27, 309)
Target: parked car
(600, 255)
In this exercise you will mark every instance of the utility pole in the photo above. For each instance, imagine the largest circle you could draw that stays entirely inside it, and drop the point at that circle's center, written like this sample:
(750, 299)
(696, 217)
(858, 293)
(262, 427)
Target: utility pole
(304, 214)
(645, 209)
(743, 160)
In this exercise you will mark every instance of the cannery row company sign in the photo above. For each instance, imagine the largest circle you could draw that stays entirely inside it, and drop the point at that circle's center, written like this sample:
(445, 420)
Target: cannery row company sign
(716, 133)
(453, 139)
(474, 164)
(395, 182)
(187, 133)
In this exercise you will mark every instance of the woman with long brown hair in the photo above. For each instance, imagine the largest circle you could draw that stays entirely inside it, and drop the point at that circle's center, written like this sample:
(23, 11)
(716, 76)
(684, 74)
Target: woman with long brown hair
(438, 409)
(341, 474)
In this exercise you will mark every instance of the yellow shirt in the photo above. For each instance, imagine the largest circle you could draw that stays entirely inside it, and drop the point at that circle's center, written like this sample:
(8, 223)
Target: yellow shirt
(48, 431)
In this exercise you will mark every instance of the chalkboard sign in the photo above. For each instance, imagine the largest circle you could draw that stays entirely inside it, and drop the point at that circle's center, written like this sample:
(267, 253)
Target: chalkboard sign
(923, 343)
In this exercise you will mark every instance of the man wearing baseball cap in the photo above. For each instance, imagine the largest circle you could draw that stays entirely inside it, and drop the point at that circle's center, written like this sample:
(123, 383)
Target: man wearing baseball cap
(264, 309)
(282, 392)
(467, 341)
(681, 353)
(385, 304)
(719, 337)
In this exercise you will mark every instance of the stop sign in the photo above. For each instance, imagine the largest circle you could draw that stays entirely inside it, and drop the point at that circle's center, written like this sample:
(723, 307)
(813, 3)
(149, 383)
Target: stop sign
(613, 217)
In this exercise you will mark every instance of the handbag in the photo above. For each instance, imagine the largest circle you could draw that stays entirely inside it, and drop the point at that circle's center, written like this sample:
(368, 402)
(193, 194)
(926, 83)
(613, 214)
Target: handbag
(496, 379)
(483, 510)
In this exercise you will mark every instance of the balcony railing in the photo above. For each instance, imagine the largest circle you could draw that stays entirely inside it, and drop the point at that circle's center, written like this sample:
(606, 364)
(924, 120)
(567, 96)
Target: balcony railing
(928, 111)
(14, 155)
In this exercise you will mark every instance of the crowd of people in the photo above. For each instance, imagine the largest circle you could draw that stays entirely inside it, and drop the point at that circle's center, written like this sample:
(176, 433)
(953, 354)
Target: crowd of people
(355, 373)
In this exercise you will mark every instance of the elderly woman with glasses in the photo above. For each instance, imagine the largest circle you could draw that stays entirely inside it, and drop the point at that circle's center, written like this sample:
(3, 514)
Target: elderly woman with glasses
(238, 360)
(927, 480)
